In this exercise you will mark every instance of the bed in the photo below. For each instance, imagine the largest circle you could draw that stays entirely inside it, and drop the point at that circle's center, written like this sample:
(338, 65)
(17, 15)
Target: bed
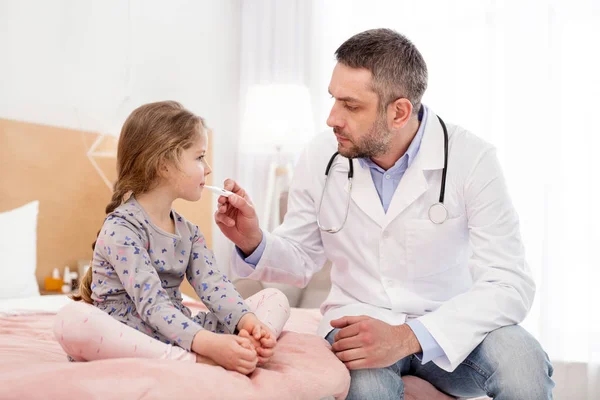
(34, 366)
(35, 181)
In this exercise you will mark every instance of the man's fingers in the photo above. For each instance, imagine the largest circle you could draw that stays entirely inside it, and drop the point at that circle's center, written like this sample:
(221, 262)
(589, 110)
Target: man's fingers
(345, 321)
(349, 331)
(357, 364)
(353, 342)
(225, 207)
(229, 184)
(224, 220)
(232, 186)
(351, 355)
(241, 204)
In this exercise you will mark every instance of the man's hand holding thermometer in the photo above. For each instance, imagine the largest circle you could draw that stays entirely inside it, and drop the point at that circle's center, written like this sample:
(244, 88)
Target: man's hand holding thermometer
(236, 217)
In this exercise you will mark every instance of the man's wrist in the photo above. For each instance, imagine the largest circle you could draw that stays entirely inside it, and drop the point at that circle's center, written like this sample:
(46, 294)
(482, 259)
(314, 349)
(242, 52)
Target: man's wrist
(408, 342)
(249, 247)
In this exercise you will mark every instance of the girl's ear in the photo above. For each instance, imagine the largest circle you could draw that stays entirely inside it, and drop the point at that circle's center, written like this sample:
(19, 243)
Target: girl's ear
(163, 168)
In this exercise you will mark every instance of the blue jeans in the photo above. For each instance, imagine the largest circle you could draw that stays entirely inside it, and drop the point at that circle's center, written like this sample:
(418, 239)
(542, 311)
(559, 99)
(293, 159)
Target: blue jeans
(508, 365)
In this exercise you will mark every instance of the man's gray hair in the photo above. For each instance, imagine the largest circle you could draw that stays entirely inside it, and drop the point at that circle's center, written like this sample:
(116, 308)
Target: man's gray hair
(398, 68)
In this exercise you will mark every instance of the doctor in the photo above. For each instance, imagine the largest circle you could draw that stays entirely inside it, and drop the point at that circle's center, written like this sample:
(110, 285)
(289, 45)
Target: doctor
(428, 269)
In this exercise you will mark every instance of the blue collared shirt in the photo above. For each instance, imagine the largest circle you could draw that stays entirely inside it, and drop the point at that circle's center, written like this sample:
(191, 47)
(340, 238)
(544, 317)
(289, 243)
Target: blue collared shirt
(386, 183)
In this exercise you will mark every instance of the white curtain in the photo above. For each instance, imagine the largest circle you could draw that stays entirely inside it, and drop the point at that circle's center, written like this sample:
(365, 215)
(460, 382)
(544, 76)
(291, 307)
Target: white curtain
(524, 75)
(276, 49)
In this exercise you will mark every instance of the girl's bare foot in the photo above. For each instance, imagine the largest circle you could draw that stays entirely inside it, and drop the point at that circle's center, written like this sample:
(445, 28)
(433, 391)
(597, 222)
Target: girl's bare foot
(244, 333)
(264, 354)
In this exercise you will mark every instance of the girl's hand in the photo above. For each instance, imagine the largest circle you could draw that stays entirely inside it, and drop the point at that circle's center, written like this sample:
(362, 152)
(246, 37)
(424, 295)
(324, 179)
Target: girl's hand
(232, 352)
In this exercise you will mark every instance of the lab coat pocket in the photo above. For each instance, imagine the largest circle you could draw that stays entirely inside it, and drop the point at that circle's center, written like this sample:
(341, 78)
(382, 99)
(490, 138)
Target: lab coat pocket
(434, 248)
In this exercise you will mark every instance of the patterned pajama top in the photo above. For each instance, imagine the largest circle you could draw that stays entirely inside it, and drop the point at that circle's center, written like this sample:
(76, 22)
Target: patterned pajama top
(137, 270)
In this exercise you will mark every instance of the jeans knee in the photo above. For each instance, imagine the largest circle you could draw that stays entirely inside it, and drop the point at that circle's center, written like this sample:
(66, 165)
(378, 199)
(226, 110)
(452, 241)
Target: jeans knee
(375, 384)
(529, 377)
(525, 372)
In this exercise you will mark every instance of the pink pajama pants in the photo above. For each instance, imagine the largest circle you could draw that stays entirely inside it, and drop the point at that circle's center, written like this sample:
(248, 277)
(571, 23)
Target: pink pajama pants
(87, 333)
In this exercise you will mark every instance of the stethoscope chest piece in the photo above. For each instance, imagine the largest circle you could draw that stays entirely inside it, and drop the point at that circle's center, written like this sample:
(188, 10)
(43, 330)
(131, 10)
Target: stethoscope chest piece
(438, 213)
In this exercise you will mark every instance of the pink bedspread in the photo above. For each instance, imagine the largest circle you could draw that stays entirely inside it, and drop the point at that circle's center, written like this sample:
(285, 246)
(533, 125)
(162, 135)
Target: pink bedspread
(33, 366)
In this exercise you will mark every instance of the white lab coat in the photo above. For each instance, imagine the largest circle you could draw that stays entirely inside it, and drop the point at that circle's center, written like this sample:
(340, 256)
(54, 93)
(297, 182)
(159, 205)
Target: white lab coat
(462, 279)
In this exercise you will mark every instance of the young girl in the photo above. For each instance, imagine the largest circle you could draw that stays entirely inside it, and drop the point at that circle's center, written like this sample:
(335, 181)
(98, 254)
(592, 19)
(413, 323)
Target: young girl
(144, 250)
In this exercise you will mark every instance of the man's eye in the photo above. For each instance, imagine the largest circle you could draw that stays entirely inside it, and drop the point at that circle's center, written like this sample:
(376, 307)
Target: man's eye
(350, 108)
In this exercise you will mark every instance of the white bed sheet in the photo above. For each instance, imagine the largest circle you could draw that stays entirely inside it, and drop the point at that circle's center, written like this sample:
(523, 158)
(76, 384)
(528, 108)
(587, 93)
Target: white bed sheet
(48, 304)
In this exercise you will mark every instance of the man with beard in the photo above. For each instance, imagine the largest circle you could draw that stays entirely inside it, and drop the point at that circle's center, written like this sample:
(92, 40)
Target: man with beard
(429, 276)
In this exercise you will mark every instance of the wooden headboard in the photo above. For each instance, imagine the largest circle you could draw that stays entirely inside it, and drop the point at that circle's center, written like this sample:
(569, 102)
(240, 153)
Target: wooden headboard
(49, 164)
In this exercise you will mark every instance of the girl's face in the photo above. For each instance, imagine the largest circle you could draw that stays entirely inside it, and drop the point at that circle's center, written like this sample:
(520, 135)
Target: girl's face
(187, 178)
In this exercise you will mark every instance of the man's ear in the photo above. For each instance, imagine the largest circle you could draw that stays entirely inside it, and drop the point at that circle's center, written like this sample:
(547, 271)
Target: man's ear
(400, 112)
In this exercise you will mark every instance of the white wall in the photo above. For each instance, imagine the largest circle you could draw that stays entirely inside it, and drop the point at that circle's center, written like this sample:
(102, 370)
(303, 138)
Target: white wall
(86, 64)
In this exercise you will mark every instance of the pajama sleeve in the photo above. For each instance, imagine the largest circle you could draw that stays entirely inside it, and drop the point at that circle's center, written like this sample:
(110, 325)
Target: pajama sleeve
(214, 289)
(131, 262)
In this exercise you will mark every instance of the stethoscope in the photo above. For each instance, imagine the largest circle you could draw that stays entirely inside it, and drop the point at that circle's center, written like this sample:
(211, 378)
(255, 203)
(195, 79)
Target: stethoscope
(438, 213)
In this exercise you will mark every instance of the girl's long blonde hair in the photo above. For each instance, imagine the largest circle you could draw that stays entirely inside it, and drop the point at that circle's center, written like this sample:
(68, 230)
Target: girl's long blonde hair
(153, 134)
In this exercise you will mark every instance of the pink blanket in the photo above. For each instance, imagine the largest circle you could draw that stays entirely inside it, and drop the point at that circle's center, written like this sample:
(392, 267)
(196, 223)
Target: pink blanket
(33, 365)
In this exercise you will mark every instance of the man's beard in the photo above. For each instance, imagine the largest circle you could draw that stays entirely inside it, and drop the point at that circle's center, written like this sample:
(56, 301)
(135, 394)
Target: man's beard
(373, 144)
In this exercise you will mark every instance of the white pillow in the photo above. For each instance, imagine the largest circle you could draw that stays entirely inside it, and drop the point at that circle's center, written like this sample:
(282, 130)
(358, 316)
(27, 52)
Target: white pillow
(34, 305)
(18, 241)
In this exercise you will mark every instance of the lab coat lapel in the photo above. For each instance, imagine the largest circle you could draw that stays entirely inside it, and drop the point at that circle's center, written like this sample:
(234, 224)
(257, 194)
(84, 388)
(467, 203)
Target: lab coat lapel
(364, 195)
(413, 184)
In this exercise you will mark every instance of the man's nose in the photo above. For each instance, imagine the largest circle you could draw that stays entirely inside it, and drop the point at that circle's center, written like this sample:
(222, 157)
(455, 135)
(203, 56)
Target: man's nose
(333, 120)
